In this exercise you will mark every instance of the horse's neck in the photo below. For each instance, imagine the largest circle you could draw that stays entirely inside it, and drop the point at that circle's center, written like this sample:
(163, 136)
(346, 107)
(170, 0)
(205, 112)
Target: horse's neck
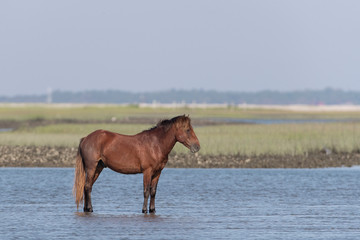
(167, 140)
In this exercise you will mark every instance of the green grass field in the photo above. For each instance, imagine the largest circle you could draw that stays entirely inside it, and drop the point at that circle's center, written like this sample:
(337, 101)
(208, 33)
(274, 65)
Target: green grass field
(224, 139)
(21, 112)
(247, 139)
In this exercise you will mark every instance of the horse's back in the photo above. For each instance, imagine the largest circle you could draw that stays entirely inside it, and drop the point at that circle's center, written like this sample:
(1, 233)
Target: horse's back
(117, 151)
(97, 137)
(100, 139)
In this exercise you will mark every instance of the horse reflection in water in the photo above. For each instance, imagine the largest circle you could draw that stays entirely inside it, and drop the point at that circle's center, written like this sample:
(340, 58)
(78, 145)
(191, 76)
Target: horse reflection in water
(146, 152)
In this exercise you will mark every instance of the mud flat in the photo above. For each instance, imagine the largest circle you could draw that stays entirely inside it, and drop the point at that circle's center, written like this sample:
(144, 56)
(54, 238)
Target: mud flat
(46, 156)
(34, 156)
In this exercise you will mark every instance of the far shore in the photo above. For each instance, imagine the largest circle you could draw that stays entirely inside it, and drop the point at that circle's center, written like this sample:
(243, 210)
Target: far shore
(244, 106)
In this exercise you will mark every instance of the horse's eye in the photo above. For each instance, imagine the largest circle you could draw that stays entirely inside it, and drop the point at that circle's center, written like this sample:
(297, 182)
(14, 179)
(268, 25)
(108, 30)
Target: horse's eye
(188, 131)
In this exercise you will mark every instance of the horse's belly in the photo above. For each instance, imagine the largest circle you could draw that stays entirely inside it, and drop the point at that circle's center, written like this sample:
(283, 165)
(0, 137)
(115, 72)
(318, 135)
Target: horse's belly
(125, 166)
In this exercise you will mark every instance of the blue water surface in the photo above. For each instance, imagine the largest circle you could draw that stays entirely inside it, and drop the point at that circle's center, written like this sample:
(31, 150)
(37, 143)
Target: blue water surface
(36, 203)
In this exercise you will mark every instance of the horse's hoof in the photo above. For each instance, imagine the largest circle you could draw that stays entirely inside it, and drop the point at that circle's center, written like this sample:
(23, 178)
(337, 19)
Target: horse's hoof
(152, 211)
(88, 210)
(144, 211)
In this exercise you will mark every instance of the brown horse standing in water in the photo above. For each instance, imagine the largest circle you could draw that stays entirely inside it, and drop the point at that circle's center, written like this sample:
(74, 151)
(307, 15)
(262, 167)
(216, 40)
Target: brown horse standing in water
(146, 152)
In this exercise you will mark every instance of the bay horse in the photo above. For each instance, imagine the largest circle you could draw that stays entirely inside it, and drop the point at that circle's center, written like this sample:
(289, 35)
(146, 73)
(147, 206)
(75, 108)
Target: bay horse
(146, 152)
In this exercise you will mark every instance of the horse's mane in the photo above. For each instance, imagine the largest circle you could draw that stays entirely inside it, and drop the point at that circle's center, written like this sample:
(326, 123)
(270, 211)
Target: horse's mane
(167, 123)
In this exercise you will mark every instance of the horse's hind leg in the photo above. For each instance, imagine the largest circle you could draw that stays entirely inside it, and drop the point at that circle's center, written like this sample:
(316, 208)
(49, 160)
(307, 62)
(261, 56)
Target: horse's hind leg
(87, 189)
(91, 175)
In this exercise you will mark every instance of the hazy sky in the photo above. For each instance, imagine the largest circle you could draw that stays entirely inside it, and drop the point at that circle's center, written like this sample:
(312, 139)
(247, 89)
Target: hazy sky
(158, 45)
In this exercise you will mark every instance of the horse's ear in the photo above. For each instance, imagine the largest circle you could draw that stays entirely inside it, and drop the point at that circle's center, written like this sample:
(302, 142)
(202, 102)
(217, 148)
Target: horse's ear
(184, 116)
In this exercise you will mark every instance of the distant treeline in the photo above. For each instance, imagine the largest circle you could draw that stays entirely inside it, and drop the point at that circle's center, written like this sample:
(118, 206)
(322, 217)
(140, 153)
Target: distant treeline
(312, 97)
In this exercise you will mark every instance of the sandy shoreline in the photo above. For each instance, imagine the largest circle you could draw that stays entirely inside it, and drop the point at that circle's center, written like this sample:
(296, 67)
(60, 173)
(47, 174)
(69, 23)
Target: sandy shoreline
(44, 156)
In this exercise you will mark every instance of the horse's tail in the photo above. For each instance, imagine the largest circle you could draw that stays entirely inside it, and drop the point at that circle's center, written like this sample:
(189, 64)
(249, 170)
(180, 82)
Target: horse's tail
(79, 179)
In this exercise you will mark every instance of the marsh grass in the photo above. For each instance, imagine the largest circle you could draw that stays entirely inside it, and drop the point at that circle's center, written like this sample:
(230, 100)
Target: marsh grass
(299, 138)
(293, 139)
(82, 112)
(63, 134)
(215, 140)
(246, 139)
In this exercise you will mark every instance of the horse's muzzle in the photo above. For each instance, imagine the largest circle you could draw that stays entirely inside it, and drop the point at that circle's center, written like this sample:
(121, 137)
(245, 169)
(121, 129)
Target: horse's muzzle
(195, 148)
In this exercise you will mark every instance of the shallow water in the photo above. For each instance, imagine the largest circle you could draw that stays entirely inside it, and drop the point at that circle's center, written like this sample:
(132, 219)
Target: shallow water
(36, 203)
(5, 130)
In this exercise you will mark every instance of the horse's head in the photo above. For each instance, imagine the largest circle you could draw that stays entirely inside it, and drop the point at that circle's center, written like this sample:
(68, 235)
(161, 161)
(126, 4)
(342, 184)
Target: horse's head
(185, 134)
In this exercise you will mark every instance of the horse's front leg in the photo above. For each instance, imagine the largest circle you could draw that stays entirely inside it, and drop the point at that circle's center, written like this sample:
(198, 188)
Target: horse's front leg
(147, 181)
(153, 187)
